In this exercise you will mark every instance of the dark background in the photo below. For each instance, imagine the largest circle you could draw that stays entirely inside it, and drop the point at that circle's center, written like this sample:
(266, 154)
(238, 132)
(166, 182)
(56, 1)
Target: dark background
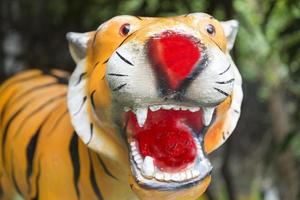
(261, 160)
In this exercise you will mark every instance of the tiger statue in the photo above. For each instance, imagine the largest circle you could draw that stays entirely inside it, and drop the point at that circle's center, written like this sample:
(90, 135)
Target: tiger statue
(149, 99)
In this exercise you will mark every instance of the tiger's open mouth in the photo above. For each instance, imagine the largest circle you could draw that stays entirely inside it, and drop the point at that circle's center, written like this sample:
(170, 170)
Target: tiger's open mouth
(166, 145)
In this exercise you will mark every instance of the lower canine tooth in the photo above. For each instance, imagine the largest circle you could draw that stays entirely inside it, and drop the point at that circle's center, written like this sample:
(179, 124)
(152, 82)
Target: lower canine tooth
(141, 115)
(148, 168)
(207, 115)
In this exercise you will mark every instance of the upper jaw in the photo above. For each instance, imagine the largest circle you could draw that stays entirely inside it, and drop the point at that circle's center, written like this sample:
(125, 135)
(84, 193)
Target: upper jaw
(141, 111)
(147, 174)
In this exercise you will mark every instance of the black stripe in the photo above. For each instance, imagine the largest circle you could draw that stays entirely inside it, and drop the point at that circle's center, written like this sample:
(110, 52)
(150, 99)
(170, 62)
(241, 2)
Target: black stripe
(95, 36)
(74, 153)
(112, 74)
(31, 149)
(124, 59)
(225, 82)
(105, 168)
(106, 61)
(14, 177)
(1, 192)
(38, 109)
(93, 180)
(236, 111)
(30, 152)
(37, 183)
(221, 91)
(21, 95)
(126, 39)
(225, 70)
(139, 17)
(81, 76)
(7, 126)
(60, 80)
(18, 81)
(91, 132)
(81, 105)
(119, 87)
(95, 65)
(92, 99)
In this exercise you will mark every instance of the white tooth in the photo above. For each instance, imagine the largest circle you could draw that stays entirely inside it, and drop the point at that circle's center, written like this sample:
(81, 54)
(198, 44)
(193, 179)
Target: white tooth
(126, 109)
(182, 176)
(141, 115)
(132, 143)
(138, 158)
(155, 108)
(189, 174)
(183, 108)
(148, 167)
(194, 109)
(167, 176)
(167, 107)
(175, 177)
(176, 108)
(207, 115)
(195, 173)
(135, 152)
(159, 176)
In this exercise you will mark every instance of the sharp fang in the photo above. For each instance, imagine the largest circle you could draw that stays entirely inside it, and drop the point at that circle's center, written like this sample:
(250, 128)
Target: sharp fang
(148, 169)
(141, 115)
(207, 115)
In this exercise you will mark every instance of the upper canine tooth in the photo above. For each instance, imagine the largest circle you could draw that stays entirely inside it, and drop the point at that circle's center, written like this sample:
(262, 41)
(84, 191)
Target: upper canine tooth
(207, 115)
(148, 168)
(141, 115)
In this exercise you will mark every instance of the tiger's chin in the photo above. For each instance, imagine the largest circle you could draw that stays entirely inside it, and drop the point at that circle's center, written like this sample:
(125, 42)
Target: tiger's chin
(166, 145)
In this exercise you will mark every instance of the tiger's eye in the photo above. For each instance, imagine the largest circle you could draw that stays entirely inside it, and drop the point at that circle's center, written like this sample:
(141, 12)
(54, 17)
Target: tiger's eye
(125, 29)
(210, 29)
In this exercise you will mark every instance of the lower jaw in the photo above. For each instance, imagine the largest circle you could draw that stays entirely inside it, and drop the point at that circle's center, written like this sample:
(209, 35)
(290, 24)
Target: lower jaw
(192, 175)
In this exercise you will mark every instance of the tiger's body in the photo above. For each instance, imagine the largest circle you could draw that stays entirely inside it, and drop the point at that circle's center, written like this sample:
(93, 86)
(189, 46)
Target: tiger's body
(39, 145)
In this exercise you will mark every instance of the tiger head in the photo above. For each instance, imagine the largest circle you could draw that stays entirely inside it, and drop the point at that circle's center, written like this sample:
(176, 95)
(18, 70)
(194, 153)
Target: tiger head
(155, 96)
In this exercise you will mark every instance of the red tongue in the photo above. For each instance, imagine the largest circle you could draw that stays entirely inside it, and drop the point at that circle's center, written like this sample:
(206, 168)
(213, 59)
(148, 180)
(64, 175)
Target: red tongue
(166, 136)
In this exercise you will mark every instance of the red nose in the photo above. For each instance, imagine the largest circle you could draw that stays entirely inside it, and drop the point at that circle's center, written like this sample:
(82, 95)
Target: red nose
(174, 56)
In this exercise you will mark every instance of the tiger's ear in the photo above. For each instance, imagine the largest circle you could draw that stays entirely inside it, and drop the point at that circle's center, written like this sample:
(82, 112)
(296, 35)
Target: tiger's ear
(78, 44)
(230, 30)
